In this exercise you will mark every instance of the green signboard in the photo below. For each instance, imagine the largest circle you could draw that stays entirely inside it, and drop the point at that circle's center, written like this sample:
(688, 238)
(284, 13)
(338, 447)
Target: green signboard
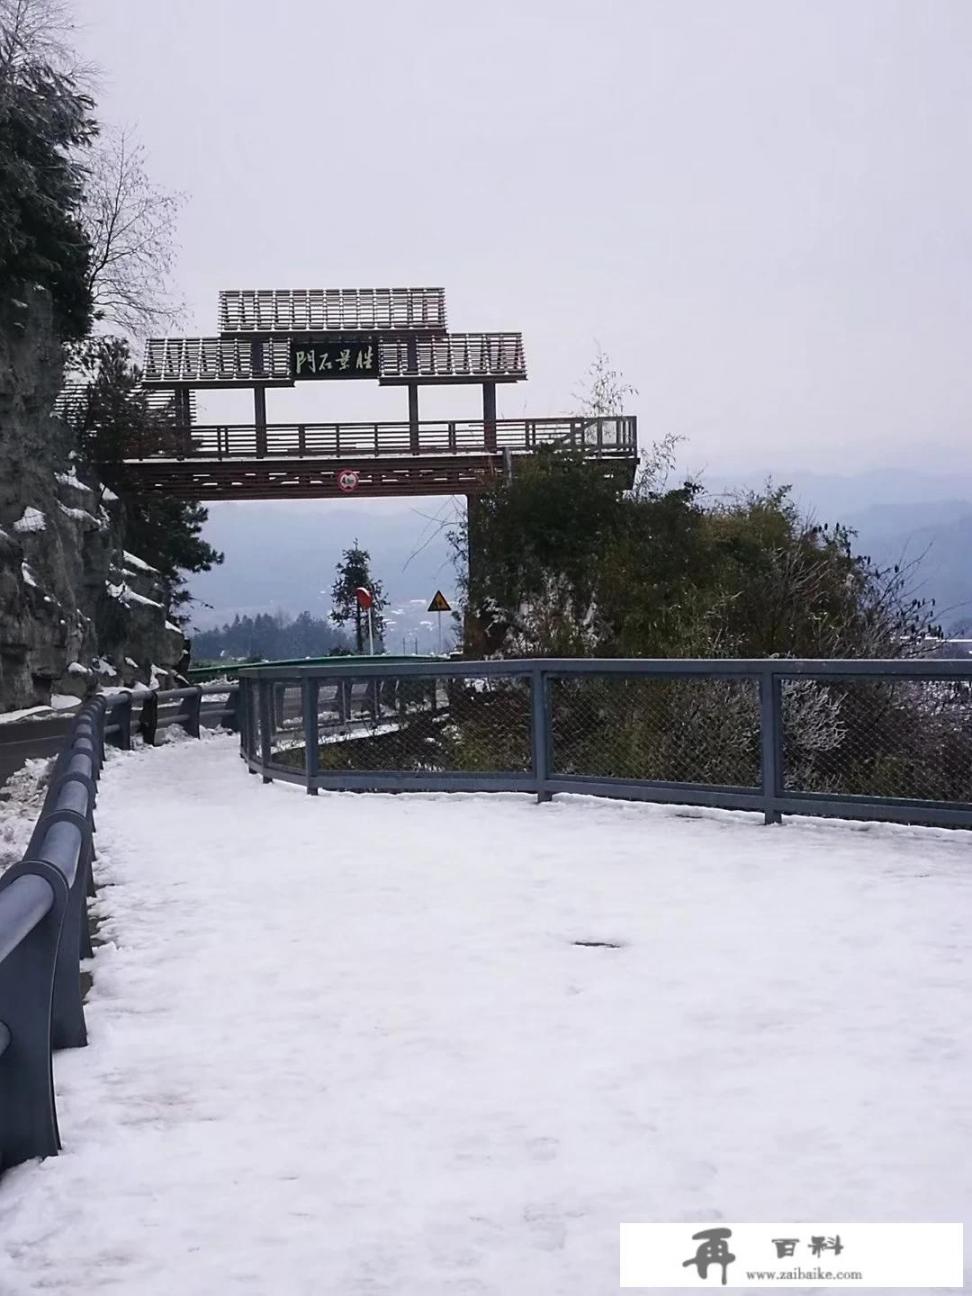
(335, 358)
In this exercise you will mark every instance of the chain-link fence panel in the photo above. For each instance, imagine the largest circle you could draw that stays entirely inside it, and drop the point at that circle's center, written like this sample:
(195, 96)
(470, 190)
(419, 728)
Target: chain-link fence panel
(286, 723)
(428, 724)
(907, 738)
(691, 730)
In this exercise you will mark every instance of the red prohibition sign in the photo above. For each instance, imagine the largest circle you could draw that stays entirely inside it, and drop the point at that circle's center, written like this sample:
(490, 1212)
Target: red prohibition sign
(347, 480)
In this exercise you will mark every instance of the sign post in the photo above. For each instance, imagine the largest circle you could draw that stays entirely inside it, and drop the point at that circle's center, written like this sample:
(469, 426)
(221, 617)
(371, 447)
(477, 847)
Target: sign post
(439, 605)
(365, 600)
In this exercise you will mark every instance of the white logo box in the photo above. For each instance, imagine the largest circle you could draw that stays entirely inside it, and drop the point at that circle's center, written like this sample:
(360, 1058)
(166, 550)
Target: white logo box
(869, 1255)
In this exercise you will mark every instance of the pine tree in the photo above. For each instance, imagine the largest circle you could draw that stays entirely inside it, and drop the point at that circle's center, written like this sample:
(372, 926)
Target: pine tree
(108, 411)
(353, 573)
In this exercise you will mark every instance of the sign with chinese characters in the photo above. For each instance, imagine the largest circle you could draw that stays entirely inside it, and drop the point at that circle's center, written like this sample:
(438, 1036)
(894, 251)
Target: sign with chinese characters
(807, 1255)
(335, 358)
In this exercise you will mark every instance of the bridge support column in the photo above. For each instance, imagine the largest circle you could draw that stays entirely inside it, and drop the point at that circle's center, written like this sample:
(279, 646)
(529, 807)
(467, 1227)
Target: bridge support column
(473, 629)
(413, 418)
(260, 419)
(489, 416)
(183, 418)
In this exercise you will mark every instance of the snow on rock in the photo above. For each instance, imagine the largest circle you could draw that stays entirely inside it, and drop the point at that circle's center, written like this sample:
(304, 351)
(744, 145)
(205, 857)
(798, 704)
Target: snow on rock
(73, 480)
(134, 561)
(349, 1044)
(170, 626)
(109, 495)
(104, 667)
(75, 668)
(32, 520)
(28, 576)
(125, 594)
(60, 701)
(79, 515)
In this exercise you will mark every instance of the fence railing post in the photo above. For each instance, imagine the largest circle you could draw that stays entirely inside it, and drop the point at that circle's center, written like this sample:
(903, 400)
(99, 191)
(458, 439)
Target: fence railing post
(311, 752)
(266, 723)
(771, 743)
(540, 732)
(374, 688)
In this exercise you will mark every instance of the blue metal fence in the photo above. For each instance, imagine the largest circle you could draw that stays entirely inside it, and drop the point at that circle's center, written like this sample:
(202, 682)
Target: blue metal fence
(888, 740)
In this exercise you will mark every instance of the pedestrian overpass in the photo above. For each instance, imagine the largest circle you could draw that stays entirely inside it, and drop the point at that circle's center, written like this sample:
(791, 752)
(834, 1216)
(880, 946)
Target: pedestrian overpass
(393, 336)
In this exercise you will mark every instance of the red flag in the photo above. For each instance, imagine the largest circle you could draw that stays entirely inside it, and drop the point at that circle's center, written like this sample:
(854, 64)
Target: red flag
(363, 596)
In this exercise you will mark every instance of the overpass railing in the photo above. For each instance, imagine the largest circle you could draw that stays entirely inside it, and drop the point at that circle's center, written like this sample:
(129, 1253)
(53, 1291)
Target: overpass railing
(608, 437)
(885, 740)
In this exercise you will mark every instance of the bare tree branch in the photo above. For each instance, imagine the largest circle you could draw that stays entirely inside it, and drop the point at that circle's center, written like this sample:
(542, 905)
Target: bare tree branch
(131, 225)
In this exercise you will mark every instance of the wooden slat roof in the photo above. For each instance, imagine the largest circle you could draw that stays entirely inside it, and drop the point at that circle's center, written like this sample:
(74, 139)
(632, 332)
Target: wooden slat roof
(73, 394)
(325, 310)
(216, 362)
(453, 357)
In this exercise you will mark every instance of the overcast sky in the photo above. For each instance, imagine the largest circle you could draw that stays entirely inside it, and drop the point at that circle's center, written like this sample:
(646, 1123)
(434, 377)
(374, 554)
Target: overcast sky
(761, 209)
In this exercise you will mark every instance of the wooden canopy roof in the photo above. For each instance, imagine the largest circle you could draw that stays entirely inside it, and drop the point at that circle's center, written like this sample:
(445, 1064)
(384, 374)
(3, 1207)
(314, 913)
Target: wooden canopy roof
(249, 311)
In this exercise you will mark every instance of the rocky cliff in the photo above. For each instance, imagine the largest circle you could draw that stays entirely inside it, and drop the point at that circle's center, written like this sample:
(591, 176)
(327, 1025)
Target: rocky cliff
(76, 610)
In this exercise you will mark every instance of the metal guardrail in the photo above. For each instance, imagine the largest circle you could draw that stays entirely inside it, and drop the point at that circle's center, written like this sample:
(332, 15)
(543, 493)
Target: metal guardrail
(885, 740)
(230, 669)
(144, 713)
(44, 930)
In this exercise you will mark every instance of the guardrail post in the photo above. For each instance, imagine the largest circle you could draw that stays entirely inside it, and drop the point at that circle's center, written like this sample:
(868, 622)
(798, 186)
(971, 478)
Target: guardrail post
(232, 711)
(193, 712)
(343, 700)
(28, 1120)
(540, 732)
(771, 743)
(125, 732)
(148, 720)
(311, 751)
(266, 726)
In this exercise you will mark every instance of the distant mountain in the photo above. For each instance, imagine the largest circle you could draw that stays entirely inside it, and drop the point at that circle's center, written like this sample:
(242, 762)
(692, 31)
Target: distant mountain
(900, 517)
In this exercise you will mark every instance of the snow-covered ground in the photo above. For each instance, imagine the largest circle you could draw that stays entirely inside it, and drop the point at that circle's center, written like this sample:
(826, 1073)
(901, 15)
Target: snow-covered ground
(349, 1045)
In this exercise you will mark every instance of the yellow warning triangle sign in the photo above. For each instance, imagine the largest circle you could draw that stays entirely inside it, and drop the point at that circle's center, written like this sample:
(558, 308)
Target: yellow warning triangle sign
(439, 603)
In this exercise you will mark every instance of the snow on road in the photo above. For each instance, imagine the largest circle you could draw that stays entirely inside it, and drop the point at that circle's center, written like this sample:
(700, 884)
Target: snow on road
(348, 1044)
